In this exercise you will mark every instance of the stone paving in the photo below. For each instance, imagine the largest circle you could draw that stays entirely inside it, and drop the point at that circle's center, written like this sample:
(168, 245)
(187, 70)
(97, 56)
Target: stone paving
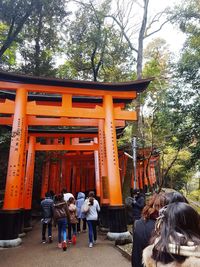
(33, 253)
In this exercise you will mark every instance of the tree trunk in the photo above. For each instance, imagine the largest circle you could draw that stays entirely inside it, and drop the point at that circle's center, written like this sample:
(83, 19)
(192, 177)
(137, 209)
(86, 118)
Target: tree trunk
(37, 44)
(141, 40)
(11, 37)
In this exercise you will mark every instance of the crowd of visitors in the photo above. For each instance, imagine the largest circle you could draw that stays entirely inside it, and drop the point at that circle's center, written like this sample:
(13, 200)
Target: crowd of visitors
(67, 213)
(166, 231)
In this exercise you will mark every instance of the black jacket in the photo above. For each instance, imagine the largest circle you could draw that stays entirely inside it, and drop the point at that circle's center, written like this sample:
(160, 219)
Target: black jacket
(47, 207)
(138, 205)
(141, 236)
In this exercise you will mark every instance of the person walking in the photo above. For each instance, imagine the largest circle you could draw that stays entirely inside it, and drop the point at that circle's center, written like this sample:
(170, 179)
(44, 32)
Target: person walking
(47, 215)
(72, 221)
(177, 238)
(61, 217)
(91, 208)
(81, 216)
(66, 195)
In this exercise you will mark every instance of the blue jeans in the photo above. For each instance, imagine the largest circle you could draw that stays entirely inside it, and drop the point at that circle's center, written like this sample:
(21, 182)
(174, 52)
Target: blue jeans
(62, 233)
(71, 226)
(92, 230)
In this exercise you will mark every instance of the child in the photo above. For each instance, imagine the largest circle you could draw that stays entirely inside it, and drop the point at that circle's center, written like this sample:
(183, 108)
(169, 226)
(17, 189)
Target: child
(73, 220)
(81, 216)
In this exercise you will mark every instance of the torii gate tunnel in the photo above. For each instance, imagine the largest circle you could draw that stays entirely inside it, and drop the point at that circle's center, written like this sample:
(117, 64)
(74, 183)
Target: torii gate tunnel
(63, 103)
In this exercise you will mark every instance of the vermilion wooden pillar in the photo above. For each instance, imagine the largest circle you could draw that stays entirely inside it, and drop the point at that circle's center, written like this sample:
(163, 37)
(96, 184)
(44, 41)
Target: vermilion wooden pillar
(10, 216)
(52, 176)
(97, 174)
(78, 176)
(117, 221)
(104, 197)
(63, 174)
(58, 177)
(45, 177)
(29, 183)
(68, 175)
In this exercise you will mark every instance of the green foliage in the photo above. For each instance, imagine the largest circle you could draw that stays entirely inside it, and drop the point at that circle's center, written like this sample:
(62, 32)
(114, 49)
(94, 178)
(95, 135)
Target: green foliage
(195, 195)
(95, 49)
(40, 38)
(8, 60)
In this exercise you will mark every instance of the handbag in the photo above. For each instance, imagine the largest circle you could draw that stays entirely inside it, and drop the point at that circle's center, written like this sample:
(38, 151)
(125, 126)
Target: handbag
(85, 208)
(46, 220)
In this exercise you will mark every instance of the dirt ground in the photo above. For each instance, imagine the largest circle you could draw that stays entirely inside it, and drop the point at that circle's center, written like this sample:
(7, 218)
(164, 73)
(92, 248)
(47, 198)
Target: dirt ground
(33, 253)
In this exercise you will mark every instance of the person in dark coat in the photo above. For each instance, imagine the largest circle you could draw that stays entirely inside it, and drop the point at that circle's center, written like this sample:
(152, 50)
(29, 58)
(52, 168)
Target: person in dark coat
(47, 215)
(143, 228)
(137, 204)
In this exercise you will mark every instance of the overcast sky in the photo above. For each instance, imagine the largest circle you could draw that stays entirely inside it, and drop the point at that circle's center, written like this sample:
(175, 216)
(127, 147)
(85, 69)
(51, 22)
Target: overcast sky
(174, 37)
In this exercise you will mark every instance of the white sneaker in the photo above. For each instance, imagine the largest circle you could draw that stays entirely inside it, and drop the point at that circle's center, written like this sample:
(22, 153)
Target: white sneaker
(95, 242)
(90, 245)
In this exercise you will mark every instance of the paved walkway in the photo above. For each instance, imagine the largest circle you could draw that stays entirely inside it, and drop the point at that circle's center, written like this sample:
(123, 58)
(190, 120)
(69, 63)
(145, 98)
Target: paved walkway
(33, 253)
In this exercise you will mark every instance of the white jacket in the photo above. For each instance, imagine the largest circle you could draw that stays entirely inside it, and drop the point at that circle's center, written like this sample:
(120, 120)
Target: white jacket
(92, 214)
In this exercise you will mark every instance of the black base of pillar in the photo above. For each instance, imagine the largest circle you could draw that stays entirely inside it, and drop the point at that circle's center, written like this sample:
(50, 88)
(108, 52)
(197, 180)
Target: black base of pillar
(104, 218)
(21, 223)
(117, 225)
(27, 220)
(117, 219)
(9, 224)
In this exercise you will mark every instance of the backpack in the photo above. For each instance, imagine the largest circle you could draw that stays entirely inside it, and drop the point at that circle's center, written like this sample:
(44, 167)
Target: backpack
(59, 212)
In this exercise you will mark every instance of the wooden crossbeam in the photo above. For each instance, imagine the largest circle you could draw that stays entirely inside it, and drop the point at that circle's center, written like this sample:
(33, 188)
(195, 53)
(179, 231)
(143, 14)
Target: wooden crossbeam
(35, 121)
(60, 147)
(67, 111)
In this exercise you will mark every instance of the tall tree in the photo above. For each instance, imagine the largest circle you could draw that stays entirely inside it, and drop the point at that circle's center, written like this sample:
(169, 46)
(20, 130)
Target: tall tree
(41, 37)
(186, 81)
(129, 24)
(95, 49)
(13, 14)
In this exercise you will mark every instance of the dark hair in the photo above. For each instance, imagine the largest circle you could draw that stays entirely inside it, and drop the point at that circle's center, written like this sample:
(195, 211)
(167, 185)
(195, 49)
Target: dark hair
(180, 223)
(71, 200)
(91, 194)
(154, 204)
(175, 197)
(91, 197)
(64, 191)
(47, 194)
(59, 197)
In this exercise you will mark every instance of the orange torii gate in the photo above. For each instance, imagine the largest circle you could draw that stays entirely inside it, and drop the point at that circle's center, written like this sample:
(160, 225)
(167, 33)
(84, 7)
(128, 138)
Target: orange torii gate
(106, 113)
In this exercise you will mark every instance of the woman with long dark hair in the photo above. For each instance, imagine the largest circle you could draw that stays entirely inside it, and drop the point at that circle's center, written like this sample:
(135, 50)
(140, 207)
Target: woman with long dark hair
(177, 238)
(144, 227)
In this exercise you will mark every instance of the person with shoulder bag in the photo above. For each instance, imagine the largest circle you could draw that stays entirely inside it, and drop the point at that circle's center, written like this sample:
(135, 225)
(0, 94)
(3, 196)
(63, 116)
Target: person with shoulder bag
(61, 217)
(72, 220)
(91, 208)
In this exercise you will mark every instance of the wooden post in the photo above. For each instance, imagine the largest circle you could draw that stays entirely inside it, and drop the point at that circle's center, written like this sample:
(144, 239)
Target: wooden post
(29, 183)
(117, 218)
(10, 217)
(115, 191)
(96, 166)
(104, 197)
